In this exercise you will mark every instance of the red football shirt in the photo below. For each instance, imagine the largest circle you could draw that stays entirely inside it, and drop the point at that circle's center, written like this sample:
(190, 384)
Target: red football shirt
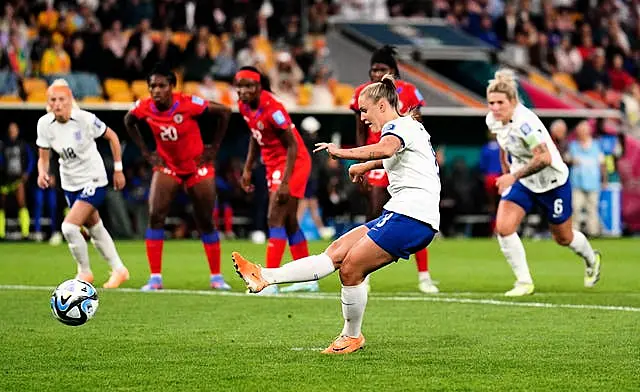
(410, 98)
(175, 130)
(264, 123)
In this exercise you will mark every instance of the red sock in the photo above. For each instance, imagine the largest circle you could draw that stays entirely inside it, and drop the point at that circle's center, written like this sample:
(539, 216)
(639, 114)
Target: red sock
(154, 255)
(213, 257)
(228, 219)
(275, 250)
(216, 216)
(422, 260)
(299, 250)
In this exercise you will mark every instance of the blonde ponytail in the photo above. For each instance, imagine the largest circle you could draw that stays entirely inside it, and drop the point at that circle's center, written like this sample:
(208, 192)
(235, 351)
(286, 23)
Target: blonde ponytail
(504, 81)
(385, 88)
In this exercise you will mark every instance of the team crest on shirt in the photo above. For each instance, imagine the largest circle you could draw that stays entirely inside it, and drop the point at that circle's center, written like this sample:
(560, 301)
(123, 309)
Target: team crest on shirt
(77, 135)
(177, 118)
(260, 125)
(525, 128)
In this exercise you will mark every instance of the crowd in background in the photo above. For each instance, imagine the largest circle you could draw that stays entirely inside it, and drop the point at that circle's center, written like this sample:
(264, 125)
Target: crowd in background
(597, 43)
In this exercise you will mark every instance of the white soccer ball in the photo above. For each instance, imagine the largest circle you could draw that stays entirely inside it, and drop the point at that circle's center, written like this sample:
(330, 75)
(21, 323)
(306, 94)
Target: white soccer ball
(74, 302)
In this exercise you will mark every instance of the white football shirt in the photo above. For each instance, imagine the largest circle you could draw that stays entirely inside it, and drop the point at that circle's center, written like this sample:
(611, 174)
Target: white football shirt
(414, 179)
(518, 138)
(80, 163)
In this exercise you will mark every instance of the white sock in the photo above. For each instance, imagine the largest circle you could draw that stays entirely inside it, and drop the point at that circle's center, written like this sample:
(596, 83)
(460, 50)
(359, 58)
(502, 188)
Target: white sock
(302, 270)
(513, 251)
(424, 276)
(104, 244)
(581, 246)
(77, 246)
(354, 301)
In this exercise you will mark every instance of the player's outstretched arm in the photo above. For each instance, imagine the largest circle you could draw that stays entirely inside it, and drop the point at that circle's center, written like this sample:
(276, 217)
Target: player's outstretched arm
(116, 151)
(385, 148)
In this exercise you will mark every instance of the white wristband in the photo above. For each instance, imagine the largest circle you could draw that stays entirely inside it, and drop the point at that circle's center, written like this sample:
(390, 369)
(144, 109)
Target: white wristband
(117, 166)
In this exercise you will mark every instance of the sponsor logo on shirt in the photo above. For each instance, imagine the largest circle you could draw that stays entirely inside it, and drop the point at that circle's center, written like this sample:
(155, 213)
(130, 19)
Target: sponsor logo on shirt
(278, 117)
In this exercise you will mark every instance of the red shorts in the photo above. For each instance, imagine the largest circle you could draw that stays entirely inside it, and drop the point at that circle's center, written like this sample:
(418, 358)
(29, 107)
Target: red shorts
(191, 179)
(378, 178)
(297, 182)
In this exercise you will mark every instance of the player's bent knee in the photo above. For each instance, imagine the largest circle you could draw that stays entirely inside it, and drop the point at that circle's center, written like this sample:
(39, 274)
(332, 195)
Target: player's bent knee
(351, 274)
(562, 239)
(69, 230)
(504, 229)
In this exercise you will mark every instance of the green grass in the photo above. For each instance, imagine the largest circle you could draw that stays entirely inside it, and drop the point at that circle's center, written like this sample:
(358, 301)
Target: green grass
(189, 341)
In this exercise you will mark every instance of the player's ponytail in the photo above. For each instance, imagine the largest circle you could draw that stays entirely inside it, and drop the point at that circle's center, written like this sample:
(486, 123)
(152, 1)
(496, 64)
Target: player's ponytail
(385, 88)
(504, 81)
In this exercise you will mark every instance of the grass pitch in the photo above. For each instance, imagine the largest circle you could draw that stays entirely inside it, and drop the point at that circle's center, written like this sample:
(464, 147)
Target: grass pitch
(469, 337)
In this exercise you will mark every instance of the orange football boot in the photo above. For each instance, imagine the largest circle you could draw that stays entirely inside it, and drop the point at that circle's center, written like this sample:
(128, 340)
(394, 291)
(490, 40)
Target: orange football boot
(86, 276)
(345, 345)
(249, 272)
(118, 277)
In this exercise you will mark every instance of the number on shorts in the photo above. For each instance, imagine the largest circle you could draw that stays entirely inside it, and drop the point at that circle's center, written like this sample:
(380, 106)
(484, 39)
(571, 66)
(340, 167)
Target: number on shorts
(168, 133)
(557, 207)
(384, 219)
(88, 191)
(257, 135)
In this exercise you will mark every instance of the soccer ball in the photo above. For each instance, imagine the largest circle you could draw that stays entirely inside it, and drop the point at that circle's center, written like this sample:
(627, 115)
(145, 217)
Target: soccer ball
(74, 302)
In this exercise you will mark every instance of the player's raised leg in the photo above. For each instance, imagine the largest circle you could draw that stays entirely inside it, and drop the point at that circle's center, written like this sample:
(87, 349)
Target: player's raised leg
(104, 244)
(508, 219)
(80, 212)
(203, 196)
(162, 192)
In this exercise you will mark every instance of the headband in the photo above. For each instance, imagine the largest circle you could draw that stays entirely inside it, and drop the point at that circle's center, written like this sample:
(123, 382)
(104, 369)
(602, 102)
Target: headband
(248, 74)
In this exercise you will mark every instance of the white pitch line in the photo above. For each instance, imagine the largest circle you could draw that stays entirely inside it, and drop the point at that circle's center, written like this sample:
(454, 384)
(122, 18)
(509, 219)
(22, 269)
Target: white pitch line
(375, 297)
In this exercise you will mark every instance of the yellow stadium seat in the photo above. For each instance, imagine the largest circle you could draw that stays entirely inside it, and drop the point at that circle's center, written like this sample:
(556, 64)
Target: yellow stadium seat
(93, 100)
(10, 99)
(116, 86)
(139, 88)
(33, 85)
(122, 96)
(304, 94)
(540, 81)
(343, 94)
(566, 80)
(181, 39)
(37, 96)
(191, 87)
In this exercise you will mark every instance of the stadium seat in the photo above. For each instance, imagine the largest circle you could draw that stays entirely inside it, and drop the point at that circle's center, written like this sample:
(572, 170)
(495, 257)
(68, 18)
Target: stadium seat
(191, 87)
(181, 39)
(304, 94)
(139, 88)
(10, 99)
(121, 97)
(542, 82)
(343, 94)
(37, 96)
(566, 80)
(116, 86)
(32, 85)
(8, 83)
(94, 99)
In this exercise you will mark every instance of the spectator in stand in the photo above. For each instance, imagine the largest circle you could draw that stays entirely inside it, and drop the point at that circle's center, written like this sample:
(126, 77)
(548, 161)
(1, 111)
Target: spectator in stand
(620, 79)
(285, 69)
(199, 65)
(80, 59)
(55, 60)
(568, 59)
(141, 39)
(133, 68)
(505, 25)
(321, 96)
(164, 51)
(593, 76)
(108, 12)
(224, 65)
(541, 56)
(117, 41)
(586, 47)
(588, 176)
(15, 57)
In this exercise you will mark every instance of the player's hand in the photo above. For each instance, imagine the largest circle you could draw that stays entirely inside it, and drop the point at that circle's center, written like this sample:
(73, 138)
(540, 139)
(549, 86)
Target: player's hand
(504, 182)
(118, 180)
(331, 148)
(357, 172)
(245, 181)
(43, 180)
(154, 159)
(282, 193)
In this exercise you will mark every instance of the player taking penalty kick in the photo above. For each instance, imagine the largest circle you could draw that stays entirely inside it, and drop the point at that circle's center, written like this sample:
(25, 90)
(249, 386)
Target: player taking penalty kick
(405, 152)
